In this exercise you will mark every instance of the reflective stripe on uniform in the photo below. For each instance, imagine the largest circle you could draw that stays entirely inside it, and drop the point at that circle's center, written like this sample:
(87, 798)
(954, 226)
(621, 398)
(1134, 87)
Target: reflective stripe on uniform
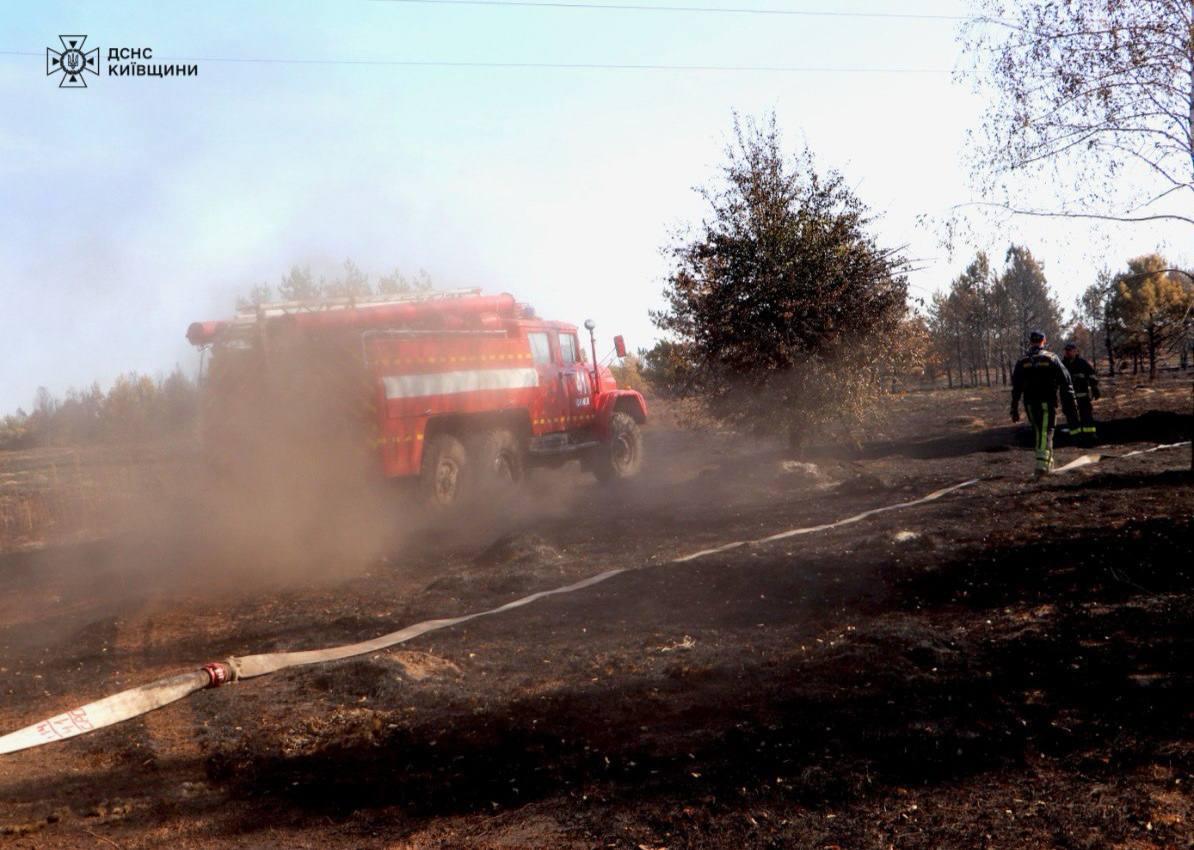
(1042, 439)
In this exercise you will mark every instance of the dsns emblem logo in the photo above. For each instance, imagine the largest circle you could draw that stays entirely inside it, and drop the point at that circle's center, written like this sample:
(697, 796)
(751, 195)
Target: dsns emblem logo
(72, 63)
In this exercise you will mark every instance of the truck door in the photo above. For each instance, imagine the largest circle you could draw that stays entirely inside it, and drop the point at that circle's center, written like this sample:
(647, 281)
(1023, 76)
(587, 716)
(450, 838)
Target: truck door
(551, 415)
(575, 379)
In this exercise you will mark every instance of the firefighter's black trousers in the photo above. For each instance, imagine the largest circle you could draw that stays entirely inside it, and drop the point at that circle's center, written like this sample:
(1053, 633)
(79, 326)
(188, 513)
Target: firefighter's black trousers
(1043, 416)
(1086, 426)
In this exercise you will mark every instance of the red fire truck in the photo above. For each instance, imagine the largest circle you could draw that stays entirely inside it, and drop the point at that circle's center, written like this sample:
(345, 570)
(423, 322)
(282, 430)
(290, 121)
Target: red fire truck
(457, 390)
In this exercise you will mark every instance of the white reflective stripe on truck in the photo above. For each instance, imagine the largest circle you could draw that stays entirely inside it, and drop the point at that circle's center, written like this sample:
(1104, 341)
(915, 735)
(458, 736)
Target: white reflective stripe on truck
(449, 383)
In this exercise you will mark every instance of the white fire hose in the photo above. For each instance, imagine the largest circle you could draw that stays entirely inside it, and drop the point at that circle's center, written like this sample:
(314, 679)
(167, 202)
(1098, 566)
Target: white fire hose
(145, 698)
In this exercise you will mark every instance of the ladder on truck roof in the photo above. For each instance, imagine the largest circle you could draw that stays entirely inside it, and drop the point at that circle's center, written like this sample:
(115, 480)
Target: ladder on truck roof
(270, 309)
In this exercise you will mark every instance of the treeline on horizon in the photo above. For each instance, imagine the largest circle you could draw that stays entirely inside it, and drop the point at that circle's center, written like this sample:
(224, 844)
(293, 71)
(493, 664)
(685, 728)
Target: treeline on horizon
(1130, 319)
(299, 284)
(970, 335)
(138, 407)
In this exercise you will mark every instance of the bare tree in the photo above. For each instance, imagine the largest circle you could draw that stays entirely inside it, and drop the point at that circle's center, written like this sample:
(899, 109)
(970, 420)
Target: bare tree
(1090, 313)
(960, 323)
(1029, 302)
(1082, 91)
(946, 328)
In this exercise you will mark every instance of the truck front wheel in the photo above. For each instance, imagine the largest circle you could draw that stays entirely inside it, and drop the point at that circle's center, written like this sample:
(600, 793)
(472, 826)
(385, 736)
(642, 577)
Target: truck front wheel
(444, 472)
(622, 456)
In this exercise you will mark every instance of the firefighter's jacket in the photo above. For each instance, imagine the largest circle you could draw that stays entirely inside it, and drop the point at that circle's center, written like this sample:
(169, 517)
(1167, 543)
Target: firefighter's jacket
(1086, 381)
(1040, 376)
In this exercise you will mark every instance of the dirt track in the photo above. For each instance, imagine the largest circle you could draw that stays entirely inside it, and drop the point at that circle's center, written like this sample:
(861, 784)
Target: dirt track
(1013, 673)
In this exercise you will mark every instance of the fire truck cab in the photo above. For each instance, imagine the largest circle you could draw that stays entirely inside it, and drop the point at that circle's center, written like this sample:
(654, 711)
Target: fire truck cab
(459, 391)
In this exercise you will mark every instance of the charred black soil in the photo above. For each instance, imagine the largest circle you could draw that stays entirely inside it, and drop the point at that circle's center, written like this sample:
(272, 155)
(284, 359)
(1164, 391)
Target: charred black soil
(1005, 667)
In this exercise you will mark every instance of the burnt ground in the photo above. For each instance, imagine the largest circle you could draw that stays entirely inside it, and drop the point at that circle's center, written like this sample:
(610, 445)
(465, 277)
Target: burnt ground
(1006, 667)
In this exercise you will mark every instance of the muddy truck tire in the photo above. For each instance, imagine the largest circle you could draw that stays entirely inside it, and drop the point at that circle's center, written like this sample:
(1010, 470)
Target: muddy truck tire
(622, 456)
(444, 476)
(497, 461)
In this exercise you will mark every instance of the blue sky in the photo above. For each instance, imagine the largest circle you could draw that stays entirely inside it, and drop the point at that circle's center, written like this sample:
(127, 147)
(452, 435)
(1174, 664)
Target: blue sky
(134, 207)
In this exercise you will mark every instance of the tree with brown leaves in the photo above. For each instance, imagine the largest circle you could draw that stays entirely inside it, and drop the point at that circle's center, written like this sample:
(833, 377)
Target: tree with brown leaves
(789, 313)
(1152, 303)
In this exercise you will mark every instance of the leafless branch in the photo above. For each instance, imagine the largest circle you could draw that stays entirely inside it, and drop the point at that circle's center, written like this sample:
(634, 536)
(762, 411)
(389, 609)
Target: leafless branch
(1068, 214)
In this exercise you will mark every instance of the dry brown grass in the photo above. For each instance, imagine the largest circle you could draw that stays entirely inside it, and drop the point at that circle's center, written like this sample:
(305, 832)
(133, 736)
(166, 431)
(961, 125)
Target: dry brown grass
(61, 495)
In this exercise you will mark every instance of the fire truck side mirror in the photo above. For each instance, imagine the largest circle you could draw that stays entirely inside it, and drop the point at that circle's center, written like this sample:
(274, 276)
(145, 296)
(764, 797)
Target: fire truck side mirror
(620, 345)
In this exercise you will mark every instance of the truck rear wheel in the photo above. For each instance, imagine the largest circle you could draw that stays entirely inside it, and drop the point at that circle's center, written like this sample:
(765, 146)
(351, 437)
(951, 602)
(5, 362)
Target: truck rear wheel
(497, 459)
(443, 477)
(622, 456)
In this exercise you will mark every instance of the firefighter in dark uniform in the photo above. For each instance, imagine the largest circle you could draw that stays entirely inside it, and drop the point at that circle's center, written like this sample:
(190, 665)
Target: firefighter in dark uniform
(1086, 390)
(1038, 378)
